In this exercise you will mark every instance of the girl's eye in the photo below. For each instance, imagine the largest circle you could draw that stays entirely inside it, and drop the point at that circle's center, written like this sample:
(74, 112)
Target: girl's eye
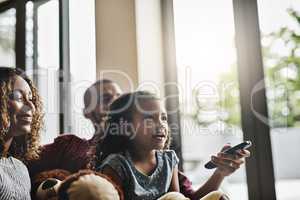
(148, 117)
(164, 118)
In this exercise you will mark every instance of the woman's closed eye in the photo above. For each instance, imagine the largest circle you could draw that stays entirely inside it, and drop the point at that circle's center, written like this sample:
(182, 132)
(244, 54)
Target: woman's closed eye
(17, 95)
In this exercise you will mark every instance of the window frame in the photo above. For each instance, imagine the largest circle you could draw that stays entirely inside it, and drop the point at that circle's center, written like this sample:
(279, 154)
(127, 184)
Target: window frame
(260, 171)
(64, 68)
(170, 75)
(64, 53)
(6, 5)
(259, 168)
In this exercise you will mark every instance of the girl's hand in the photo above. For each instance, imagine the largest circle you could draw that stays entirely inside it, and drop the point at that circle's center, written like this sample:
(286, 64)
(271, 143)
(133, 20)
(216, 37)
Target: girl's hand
(227, 163)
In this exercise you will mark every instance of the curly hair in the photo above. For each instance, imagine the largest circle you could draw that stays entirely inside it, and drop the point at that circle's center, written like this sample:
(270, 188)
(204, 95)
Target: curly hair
(121, 110)
(25, 147)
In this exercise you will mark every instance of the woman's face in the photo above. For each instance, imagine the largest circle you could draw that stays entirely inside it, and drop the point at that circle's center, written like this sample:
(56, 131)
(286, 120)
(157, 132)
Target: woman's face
(21, 107)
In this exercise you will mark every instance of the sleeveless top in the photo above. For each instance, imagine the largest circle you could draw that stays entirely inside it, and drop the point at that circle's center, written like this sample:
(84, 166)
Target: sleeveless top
(138, 186)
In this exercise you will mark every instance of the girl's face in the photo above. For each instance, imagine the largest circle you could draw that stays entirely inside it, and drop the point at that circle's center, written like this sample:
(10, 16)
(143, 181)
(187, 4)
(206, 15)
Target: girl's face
(150, 125)
(21, 107)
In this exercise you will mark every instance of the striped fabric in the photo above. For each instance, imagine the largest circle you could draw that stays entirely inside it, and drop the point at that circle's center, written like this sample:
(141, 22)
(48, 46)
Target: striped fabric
(14, 180)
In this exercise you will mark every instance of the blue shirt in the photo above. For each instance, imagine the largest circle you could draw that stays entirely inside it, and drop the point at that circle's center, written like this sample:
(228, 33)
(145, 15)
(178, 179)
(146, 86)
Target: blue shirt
(138, 186)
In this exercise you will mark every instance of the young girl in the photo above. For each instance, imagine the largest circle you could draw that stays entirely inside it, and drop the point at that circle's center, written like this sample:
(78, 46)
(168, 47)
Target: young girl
(135, 151)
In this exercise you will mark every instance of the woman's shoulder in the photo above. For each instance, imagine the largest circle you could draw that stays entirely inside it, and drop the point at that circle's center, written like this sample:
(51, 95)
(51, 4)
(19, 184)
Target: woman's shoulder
(13, 166)
(12, 161)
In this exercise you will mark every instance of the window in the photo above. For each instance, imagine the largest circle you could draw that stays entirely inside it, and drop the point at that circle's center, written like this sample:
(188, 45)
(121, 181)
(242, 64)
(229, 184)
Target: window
(207, 74)
(280, 30)
(82, 61)
(60, 45)
(42, 59)
(7, 37)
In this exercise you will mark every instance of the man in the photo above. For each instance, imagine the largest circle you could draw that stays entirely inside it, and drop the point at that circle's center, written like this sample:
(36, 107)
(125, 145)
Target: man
(97, 99)
(71, 153)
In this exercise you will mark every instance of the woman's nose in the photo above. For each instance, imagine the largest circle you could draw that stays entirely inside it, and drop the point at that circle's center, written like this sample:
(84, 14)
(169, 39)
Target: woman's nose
(28, 106)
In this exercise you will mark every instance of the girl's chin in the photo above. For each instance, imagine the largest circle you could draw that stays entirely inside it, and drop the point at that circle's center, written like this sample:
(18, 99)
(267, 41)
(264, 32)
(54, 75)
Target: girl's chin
(159, 146)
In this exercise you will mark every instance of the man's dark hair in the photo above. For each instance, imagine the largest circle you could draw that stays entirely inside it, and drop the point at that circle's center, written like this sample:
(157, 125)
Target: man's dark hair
(89, 94)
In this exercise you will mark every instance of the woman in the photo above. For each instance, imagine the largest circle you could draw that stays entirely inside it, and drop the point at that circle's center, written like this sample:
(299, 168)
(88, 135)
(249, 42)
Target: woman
(20, 123)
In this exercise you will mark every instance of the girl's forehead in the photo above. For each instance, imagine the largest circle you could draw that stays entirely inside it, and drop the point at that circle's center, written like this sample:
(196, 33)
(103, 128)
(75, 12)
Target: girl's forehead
(150, 106)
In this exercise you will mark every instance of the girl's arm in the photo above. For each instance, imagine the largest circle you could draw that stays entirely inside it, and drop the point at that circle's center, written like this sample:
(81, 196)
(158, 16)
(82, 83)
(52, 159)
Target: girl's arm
(174, 187)
(212, 184)
(225, 168)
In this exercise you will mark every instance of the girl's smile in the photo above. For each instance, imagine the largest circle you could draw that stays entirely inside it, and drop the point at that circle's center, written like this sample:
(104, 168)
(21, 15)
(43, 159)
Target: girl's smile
(150, 123)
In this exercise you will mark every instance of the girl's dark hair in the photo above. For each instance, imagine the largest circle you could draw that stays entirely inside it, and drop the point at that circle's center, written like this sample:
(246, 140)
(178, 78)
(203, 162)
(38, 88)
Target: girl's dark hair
(117, 138)
(25, 147)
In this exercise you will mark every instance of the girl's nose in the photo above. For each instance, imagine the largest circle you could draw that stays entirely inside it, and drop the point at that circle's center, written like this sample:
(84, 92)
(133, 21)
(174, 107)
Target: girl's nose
(160, 128)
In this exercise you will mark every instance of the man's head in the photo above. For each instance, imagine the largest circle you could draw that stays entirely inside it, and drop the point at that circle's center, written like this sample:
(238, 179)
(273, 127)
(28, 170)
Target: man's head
(97, 99)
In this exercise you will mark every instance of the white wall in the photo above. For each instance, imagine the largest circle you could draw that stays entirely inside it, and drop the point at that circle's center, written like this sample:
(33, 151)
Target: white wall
(129, 43)
(149, 45)
(116, 49)
(82, 61)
